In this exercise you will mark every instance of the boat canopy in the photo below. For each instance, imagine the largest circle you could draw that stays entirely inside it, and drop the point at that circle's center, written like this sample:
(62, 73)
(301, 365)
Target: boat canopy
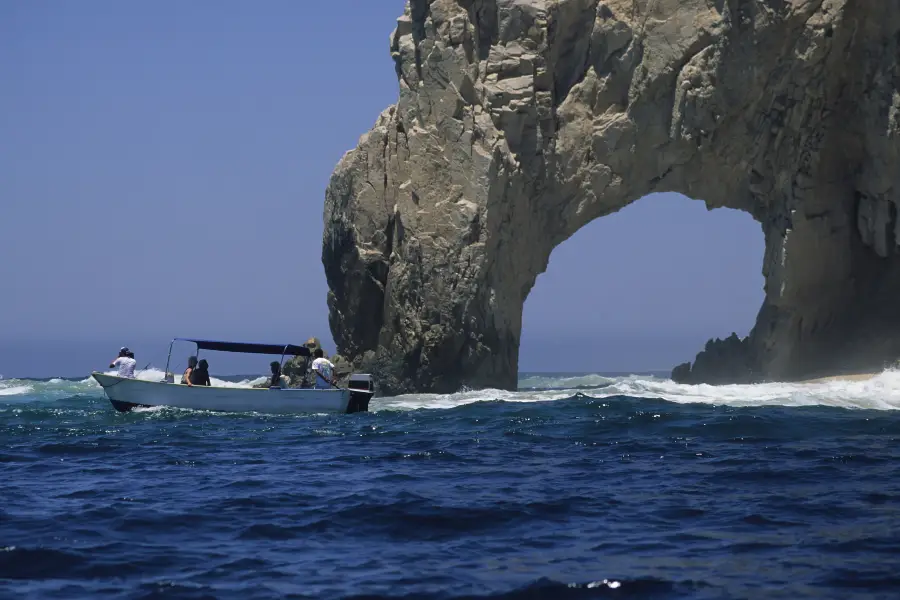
(248, 348)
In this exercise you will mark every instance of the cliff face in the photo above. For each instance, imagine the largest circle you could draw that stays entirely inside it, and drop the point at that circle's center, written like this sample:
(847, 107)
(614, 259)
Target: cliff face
(519, 121)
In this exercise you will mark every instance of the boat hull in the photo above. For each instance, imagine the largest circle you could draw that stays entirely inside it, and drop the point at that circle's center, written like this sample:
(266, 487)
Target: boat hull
(127, 394)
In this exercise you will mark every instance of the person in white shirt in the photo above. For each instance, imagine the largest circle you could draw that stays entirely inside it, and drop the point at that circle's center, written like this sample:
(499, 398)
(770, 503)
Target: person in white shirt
(125, 363)
(323, 371)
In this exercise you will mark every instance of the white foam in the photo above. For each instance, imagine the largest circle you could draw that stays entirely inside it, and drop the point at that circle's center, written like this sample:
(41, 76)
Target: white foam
(881, 392)
(569, 381)
(151, 374)
(416, 401)
(16, 390)
(246, 383)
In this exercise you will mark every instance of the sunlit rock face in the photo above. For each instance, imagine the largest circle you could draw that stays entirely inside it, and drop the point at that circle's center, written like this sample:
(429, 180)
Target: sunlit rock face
(519, 121)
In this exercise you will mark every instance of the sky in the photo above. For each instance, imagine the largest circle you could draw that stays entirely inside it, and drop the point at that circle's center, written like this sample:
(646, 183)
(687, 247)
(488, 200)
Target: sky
(162, 173)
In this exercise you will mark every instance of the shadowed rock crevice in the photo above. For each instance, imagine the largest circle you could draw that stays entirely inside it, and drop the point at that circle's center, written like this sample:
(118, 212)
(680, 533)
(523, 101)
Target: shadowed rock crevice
(519, 121)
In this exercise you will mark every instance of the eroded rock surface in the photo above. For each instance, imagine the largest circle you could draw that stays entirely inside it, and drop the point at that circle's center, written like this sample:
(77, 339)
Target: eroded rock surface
(519, 121)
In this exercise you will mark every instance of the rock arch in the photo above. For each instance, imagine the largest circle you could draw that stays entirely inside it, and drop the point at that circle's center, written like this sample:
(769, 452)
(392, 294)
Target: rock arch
(519, 121)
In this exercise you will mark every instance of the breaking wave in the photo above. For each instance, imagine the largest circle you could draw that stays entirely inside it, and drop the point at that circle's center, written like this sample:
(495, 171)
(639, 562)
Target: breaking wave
(15, 390)
(880, 392)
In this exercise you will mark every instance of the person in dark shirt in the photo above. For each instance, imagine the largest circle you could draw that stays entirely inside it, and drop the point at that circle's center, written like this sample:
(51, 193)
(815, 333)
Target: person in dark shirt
(200, 375)
(186, 376)
(277, 379)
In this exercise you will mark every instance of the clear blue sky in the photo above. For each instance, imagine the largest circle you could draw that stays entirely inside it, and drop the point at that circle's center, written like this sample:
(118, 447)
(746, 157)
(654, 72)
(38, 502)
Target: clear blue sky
(162, 173)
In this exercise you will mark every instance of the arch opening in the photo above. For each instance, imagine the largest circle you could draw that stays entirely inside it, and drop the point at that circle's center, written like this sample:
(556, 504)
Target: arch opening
(643, 289)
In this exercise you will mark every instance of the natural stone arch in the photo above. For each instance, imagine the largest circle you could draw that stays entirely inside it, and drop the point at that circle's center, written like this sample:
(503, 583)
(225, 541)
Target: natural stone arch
(519, 121)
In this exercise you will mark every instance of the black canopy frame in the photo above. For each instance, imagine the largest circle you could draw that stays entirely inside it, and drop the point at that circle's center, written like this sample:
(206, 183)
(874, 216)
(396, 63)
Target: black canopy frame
(242, 348)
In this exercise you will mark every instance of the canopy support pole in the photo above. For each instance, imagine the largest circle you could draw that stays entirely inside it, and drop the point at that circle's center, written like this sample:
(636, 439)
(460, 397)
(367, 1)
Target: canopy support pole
(168, 358)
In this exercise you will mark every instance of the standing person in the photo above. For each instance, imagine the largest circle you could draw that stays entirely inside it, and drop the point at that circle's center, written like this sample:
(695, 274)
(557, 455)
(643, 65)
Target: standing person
(200, 375)
(131, 356)
(323, 370)
(124, 363)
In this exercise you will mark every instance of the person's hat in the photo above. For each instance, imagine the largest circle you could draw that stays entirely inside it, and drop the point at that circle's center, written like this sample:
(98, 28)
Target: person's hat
(123, 349)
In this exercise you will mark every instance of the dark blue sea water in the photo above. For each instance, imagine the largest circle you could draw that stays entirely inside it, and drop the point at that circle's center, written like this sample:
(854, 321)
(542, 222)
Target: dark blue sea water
(585, 487)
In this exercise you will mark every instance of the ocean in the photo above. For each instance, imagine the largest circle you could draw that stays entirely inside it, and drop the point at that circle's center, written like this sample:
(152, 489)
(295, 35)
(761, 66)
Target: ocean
(576, 486)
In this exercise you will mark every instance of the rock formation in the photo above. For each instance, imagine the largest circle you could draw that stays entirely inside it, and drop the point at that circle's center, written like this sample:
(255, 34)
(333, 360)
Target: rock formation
(519, 121)
(721, 361)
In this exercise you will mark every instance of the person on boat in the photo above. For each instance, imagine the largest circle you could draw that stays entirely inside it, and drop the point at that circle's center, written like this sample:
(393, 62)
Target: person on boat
(278, 380)
(200, 374)
(186, 376)
(124, 363)
(323, 370)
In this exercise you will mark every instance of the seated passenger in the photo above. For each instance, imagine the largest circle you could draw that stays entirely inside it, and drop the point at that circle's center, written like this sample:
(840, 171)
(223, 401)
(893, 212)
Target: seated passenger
(200, 374)
(186, 376)
(304, 367)
(323, 370)
(277, 379)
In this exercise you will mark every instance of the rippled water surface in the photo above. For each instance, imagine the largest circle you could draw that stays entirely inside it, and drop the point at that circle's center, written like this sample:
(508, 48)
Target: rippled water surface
(576, 487)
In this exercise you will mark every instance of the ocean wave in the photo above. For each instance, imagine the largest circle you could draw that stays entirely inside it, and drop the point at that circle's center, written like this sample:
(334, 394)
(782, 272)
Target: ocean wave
(625, 497)
(536, 381)
(880, 392)
(15, 390)
(547, 589)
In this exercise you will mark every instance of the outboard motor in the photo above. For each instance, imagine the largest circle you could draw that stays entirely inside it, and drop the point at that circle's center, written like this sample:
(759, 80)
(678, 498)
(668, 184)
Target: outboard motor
(362, 388)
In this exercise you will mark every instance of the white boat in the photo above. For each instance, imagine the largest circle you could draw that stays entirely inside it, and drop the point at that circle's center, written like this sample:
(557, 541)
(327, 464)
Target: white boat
(126, 394)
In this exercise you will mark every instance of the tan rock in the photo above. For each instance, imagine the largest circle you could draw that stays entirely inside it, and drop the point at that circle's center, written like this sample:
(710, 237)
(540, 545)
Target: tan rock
(519, 121)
